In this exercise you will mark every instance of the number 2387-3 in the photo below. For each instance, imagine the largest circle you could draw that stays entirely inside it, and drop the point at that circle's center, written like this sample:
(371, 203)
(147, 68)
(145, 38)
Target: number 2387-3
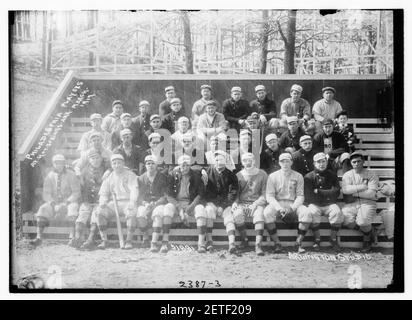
(199, 284)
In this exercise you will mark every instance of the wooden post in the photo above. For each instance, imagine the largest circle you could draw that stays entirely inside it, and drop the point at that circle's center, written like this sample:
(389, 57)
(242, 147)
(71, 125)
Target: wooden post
(44, 42)
(49, 43)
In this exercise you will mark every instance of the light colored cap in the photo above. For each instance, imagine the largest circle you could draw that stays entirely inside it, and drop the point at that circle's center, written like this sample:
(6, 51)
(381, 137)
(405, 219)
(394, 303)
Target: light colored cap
(291, 119)
(319, 156)
(285, 156)
(95, 134)
(304, 138)
(124, 115)
(271, 136)
(154, 116)
(184, 159)
(187, 136)
(116, 156)
(175, 100)
(297, 88)
(211, 103)
(95, 116)
(169, 88)
(183, 119)
(247, 155)
(144, 103)
(260, 88)
(219, 153)
(205, 86)
(236, 89)
(150, 158)
(125, 131)
(58, 157)
(154, 135)
(356, 154)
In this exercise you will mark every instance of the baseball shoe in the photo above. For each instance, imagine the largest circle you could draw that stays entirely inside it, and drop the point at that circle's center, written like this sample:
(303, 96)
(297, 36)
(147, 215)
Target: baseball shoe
(128, 245)
(243, 244)
(154, 247)
(277, 248)
(75, 243)
(201, 249)
(209, 246)
(102, 245)
(164, 248)
(146, 243)
(259, 251)
(316, 246)
(366, 247)
(232, 248)
(335, 245)
(299, 247)
(36, 242)
(88, 245)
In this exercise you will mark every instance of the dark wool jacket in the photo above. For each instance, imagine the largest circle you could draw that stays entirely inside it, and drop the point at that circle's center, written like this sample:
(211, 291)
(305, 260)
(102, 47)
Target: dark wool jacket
(236, 110)
(269, 160)
(169, 121)
(163, 167)
(134, 160)
(152, 192)
(327, 184)
(221, 189)
(348, 134)
(339, 144)
(196, 187)
(266, 107)
(286, 140)
(303, 161)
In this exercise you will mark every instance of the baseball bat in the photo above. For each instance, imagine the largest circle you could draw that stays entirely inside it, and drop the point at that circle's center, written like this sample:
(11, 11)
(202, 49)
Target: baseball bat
(119, 226)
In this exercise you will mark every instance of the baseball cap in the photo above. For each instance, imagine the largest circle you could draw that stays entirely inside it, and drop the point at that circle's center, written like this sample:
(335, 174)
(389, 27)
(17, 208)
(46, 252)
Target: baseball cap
(117, 102)
(328, 88)
(260, 88)
(319, 156)
(304, 138)
(271, 136)
(95, 116)
(327, 121)
(154, 135)
(58, 157)
(144, 103)
(247, 155)
(211, 103)
(297, 88)
(150, 158)
(125, 131)
(291, 119)
(205, 86)
(356, 154)
(154, 116)
(236, 89)
(285, 156)
(169, 88)
(219, 153)
(183, 119)
(124, 115)
(175, 100)
(116, 156)
(187, 136)
(184, 158)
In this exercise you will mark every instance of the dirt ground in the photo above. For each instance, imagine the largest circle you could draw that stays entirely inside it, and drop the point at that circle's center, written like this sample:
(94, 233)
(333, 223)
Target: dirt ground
(138, 268)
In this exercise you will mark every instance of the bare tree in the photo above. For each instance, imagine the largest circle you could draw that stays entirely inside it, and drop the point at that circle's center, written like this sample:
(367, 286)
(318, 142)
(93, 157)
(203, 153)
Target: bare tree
(44, 42)
(265, 41)
(289, 40)
(187, 41)
(49, 43)
(91, 25)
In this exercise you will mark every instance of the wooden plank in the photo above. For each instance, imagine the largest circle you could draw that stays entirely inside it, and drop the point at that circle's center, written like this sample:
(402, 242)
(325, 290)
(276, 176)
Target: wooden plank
(365, 120)
(366, 146)
(44, 117)
(388, 137)
(379, 153)
(85, 121)
(380, 163)
(359, 131)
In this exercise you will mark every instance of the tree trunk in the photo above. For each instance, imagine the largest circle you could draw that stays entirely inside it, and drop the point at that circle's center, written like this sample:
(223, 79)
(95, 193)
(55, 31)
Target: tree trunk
(44, 42)
(289, 59)
(264, 42)
(187, 42)
(90, 25)
(49, 44)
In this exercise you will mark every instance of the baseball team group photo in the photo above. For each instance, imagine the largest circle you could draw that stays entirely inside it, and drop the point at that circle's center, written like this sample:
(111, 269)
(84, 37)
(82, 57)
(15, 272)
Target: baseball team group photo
(252, 171)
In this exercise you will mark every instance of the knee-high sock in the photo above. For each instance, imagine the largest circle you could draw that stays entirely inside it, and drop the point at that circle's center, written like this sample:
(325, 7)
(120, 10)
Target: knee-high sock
(271, 228)
(334, 233)
(93, 231)
(79, 230)
(231, 236)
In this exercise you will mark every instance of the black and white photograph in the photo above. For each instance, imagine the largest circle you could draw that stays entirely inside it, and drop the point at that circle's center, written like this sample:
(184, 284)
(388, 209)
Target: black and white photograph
(206, 150)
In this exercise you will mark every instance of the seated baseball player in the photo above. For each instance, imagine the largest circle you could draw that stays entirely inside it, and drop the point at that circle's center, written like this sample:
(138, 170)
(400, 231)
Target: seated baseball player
(91, 180)
(269, 158)
(153, 186)
(221, 191)
(192, 149)
(218, 144)
(321, 194)
(295, 105)
(236, 109)
(251, 200)
(96, 123)
(184, 197)
(334, 145)
(289, 141)
(164, 106)
(264, 107)
(155, 126)
(61, 193)
(359, 187)
(346, 129)
(183, 127)
(211, 122)
(126, 123)
(112, 122)
(169, 121)
(245, 146)
(285, 196)
(123, 183)
(303, 158)
(200, 106)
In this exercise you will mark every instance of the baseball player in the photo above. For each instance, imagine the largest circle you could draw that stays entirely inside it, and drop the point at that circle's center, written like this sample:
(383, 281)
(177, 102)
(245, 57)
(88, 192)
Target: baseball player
(153, 186)
(183, 127)
(221, 191)
(61, 193)
(199, 107)
(236, 109)
(387, 189)
(245, 146)
(321, 194)
(265, 107)
(218, 144)
(285, 196)
(251, 200)
(211, 122)
(122, 182)
(326, 108)
(346, 129)
(111, 122)
(96, 123)
(359, 187)
(289, 140)
(91, 180)
(170, 120)
(155, 139)
(164, 106)
(141, 123)
(295, 105)
(126, 123)
(186, 190)
(303, 158)
(269, 158)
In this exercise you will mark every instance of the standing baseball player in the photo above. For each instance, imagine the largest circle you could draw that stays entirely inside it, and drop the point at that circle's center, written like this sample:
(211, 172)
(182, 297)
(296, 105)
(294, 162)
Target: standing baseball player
(359, 187)
(321, 195)
(285, 196)
(251, 200)
(122, 182)
(186, 190)
(61, 193)
(221, 191)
